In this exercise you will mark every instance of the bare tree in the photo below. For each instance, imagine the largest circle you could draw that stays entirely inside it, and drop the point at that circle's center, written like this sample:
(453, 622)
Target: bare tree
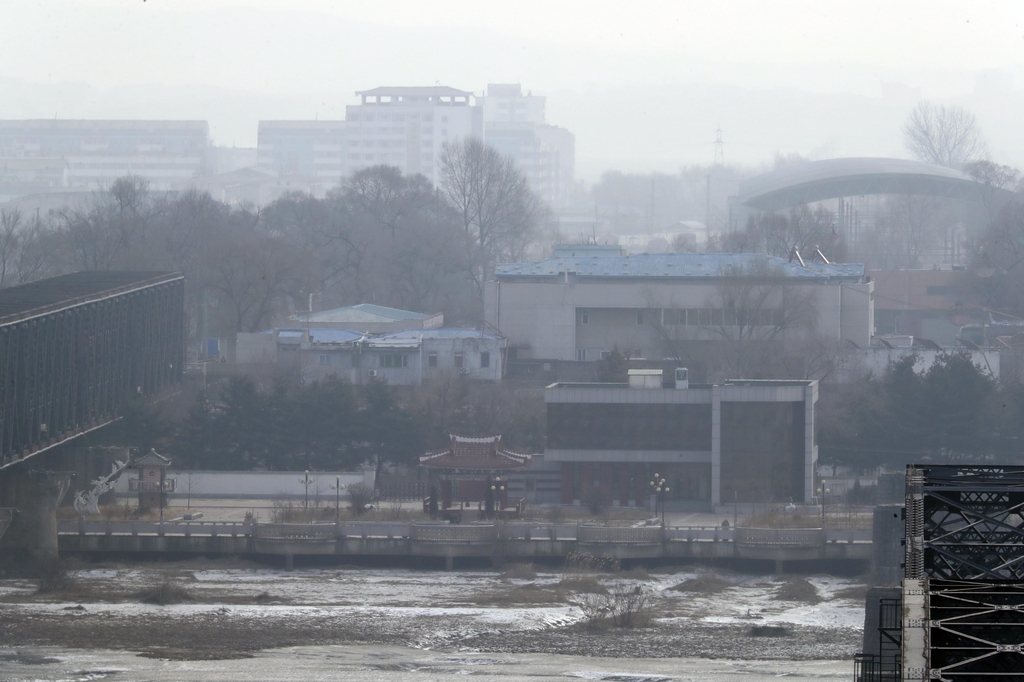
(497, 210)
(10, 227)
(946, 135)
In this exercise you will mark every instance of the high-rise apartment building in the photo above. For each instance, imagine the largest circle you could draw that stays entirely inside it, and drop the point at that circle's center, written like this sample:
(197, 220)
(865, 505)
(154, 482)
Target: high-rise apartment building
(514, 124)
(406, 127)
(169, 154)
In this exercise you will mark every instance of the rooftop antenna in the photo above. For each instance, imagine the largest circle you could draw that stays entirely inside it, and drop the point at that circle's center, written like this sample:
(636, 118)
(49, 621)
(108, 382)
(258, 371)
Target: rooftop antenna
(719, 145)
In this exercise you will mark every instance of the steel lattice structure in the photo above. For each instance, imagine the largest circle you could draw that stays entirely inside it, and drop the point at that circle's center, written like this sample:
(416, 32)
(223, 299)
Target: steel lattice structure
(75, 349)
(975, 630)
(965, 523)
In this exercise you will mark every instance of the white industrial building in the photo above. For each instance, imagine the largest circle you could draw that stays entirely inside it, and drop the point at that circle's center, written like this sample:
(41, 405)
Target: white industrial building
(581, 308)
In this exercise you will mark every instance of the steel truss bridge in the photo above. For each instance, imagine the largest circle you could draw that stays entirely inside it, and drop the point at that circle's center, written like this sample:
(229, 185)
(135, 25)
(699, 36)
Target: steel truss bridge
(76, 349)
(961, 612)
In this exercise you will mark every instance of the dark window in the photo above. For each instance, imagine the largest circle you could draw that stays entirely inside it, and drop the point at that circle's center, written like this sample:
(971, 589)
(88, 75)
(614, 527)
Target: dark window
(431, 359)
(357, 359)
(585, 318)
(639, 318)
(485, 359)
(325, 360)
(939, 290)
(716, 317)
(458, 359)
(705, 317)
(395, 360)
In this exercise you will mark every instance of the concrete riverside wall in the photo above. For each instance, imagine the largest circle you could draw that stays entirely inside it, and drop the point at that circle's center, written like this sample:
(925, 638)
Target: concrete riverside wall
(525, 540)
(254, 485)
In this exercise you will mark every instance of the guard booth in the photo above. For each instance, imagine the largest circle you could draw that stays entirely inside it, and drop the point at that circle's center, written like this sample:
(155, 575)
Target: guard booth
(152, 485)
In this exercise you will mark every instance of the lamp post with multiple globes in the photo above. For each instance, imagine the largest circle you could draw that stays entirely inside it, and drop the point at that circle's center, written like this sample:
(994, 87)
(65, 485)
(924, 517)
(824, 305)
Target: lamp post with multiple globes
(659, 487)
(337, 487)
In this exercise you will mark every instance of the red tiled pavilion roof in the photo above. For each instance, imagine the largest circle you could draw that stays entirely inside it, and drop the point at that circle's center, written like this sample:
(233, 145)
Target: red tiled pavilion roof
(475, 453)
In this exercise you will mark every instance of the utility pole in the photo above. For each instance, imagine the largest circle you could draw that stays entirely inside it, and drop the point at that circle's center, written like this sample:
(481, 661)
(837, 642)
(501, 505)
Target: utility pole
(719, 148)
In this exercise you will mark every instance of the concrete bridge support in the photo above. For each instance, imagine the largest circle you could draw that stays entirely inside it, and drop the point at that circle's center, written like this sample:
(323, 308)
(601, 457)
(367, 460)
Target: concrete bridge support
(32, 534)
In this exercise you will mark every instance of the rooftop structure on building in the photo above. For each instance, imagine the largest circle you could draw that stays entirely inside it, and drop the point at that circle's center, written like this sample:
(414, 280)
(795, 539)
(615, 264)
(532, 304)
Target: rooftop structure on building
(680, 266)
(406, 357)
(369, 318)
(475, 454)
(656, 306)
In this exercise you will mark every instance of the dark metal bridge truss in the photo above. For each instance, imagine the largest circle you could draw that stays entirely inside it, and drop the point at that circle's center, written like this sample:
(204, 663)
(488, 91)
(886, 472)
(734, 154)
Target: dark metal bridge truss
(975, 630)
(966, 523)
(68, 368)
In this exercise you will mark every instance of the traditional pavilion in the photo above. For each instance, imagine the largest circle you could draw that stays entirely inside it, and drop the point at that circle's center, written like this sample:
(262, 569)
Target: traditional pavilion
(471, 474)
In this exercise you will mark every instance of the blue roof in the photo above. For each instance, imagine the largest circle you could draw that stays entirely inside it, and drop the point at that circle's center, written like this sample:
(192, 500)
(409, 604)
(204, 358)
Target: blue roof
(678, 266)
(440, 333)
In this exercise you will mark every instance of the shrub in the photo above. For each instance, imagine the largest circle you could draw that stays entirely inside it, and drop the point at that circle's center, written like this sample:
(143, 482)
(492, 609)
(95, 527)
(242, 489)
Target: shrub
(596, 500)
(55, 576)
(705, 583)
(359, 495)
(798, 589)
(768, 631)
(625, 607)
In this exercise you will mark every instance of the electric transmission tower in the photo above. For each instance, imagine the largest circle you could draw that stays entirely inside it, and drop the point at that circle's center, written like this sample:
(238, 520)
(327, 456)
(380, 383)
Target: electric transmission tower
(719, 145)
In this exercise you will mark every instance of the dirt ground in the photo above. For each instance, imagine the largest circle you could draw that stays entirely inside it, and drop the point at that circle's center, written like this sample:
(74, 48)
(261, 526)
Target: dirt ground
(225, 609)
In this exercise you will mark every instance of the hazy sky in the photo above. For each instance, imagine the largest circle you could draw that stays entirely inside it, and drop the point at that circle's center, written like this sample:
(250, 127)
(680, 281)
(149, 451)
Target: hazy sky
(614, 72)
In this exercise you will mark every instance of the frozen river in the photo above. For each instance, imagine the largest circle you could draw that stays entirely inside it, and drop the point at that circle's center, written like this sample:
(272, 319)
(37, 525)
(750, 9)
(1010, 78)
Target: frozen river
(399, 664)
(240, 621)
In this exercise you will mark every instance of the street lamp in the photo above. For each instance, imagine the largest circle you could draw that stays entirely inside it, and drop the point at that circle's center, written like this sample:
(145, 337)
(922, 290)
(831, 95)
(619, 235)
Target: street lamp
(337, 487)
(498, 487)
(660, 488)
(823, 491)
(306, 480)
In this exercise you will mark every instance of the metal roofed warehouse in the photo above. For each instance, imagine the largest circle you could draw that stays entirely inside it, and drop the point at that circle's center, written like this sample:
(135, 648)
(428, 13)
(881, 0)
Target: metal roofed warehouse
(579, 309)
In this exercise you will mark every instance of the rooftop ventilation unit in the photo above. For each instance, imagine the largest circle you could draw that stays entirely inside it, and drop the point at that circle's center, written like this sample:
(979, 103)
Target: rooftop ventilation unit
(682, 377)
(644, 378)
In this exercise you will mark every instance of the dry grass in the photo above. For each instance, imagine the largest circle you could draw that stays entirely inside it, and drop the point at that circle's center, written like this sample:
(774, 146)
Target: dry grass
(705, 583)
(582, 584)
(768, 631)
(637, 573)
(519, 572)
(798, 589)
(516, 596)
(166, 592)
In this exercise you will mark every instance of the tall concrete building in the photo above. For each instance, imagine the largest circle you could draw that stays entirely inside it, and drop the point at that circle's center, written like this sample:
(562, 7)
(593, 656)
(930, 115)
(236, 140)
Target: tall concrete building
(168, 154)
(406, 127)
(515, 125)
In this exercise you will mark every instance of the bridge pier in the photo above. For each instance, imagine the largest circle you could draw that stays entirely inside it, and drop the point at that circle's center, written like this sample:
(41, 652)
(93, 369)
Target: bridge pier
(289, 561)
(36, 495)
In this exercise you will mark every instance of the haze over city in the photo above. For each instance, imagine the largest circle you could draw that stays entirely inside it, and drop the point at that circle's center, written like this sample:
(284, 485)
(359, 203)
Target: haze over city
(406, 340)
(643, 86)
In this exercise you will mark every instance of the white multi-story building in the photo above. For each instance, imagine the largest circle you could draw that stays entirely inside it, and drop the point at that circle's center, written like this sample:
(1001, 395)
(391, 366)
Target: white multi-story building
(514, 124)
(168, 154)
(407, 126)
